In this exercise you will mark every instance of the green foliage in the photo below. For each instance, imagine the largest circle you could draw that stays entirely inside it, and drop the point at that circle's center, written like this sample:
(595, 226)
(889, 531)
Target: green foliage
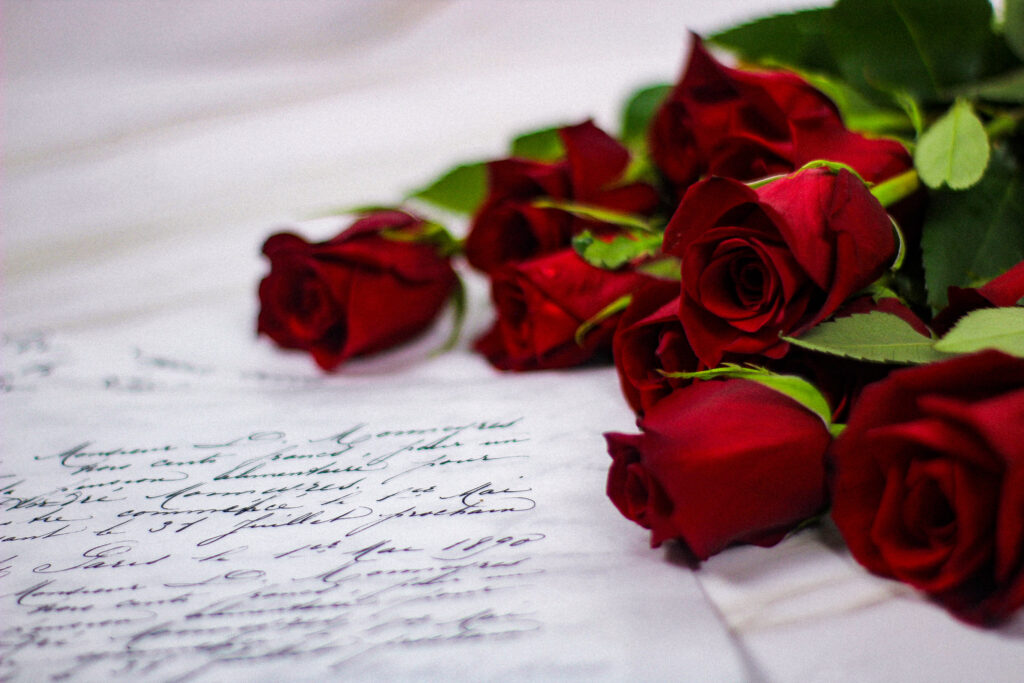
(638, 112)
(1014, 26)
(920, 48)
(876, 336)
(796, 40)
(975, 234)
(597, 213)
(987, 328)
(1007, 88)
(954, 150)
(539, 145)
(461, 189)
(870, 54)
(619, 250)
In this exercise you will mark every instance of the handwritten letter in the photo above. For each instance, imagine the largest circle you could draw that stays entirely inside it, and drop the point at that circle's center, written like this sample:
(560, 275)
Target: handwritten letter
(180, 532)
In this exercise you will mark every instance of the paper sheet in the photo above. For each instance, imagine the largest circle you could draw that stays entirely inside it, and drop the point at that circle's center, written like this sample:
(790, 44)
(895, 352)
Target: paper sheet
(166, 517)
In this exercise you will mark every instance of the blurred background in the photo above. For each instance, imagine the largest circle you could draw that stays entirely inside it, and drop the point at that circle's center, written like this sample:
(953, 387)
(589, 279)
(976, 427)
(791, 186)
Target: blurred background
(147, 143)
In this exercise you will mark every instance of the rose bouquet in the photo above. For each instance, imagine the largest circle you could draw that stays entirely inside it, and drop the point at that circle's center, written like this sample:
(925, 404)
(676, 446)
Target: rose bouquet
(807, 268)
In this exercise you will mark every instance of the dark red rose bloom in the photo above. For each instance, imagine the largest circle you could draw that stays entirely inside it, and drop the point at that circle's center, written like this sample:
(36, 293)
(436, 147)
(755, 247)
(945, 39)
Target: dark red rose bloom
(357, 293)
(928, 482)
(841, 380)
(650, 338)
(541, 303)
(1005, 290)
(751, 124)
(718, 463)
(775, 260)
(509, 228)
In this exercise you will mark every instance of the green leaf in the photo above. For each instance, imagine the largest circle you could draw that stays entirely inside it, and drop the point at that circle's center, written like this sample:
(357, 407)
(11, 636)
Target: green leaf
(663, 268)
(1014, 26)
(920, 47)
(975, 234)
(877, 337)
(859, 112)
(797, 388)
(796, 40)
(460, 189)
(539, 145)
(618, 251)
(639, 110)
(954, 150)
(987, 328)
(1007, 87)
(596, 213)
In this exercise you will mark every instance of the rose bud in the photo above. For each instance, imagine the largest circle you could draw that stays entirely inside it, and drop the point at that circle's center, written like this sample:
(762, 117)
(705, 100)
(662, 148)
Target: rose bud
(760, 263)
(928, 482)
(509, 227)
(541, 303)
(1004, 290)
(719, 463)
(751, 124)
(649, 340)
(366, 290)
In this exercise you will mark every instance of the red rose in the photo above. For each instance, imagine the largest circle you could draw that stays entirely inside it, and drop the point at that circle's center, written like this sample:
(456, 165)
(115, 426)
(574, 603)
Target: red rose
(509, 228)
(719, 463)
(1005, 290)
(748, 124)
(650, 338)
(542, 302)
(760, 263)
(928, 482)
(357, 293)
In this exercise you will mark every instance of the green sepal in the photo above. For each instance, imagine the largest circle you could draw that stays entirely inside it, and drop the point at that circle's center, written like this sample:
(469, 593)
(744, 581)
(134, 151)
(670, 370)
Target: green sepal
(797, 388)
(426, 232)
(458, 303)
(460, 190)
(892, 190)
(620, 250)
(834, 167)
(596, 213)
(901, 246)
(608, 311)
(876, 337)
(987, 328)
(954, 150)
(544, 144)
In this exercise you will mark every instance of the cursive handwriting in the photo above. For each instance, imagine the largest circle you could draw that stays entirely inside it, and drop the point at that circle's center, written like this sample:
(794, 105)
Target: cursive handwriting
(186, 559)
